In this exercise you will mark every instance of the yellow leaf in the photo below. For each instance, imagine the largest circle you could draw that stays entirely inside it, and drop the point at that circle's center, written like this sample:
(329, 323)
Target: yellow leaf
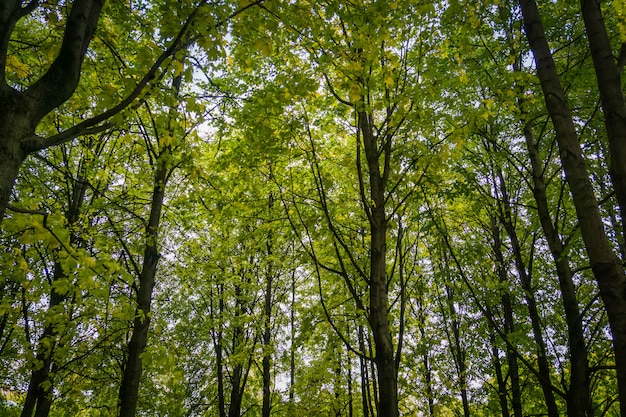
(355, 93)
(264, 46)
(178, 68)
(20, 69)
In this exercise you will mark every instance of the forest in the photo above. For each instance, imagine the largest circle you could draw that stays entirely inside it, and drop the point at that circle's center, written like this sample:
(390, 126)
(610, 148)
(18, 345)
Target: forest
(351, 208)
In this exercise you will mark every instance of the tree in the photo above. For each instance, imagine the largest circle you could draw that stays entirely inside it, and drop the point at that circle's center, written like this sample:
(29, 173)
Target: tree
(605, 264)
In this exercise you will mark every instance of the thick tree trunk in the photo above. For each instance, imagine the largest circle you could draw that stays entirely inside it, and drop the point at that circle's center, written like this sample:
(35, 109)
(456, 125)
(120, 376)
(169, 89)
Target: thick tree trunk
(605, 265)
(21, 111)
(579, 402)
(13, 128)
(236, 393)
(612, 98)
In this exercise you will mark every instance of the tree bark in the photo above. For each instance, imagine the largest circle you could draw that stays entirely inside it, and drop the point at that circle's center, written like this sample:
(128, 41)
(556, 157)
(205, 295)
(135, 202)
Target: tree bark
(606, 266)
(129, 388)
(612, 98)
(379, 309)
(502, 389)
(457, 350)
(267, 319)
(366, 396)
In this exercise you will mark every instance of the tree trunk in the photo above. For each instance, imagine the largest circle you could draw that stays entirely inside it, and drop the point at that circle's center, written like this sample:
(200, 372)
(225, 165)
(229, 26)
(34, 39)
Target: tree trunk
(612, 98)
(40, 388)
(40, 385)
(529, 296)
(366, 396)
(607, 268)
(502, 389)
(236, 393)
(218, 340)
(509, 324)
(379, 309)
(12, 157)
(292, 345)
(129, 388)
(456, 347)
(267, 325)
(579, 402)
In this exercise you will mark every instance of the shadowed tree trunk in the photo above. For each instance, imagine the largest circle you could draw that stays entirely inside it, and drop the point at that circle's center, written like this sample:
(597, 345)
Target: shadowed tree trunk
(129, 388)
(506, 217)
(497, 365)
(611, 95)
(267, 318)
(379, 308)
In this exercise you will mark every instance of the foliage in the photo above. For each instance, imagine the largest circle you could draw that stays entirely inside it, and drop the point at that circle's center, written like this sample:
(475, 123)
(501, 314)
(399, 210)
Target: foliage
(266, 244)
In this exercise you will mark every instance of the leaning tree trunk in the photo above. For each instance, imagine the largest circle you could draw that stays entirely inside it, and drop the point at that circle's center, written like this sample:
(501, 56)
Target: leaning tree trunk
(531, 303)
(612, 98)
(606, 266)
(579, 402)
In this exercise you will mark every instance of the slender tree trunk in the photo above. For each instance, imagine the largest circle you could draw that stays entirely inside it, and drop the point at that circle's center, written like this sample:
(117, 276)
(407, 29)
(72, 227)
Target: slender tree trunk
(457, 350)
(40, 386)
(579, 402)
(502, 390)
(292, 345)
(218, 339)
(509, 324)
(350, 395)
(379, 309)
(267, 328)
(366, 396)
(129, 389)
(40, 389)
(529, 296)
(606, 266)
(425, 359)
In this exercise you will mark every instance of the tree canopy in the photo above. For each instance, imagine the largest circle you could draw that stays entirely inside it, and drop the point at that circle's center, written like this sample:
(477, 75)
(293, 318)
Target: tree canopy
(336, 208)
